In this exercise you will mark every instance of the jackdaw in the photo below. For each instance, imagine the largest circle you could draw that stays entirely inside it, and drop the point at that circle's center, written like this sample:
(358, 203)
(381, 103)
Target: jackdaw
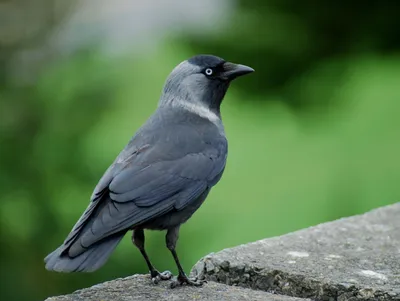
(162, 176)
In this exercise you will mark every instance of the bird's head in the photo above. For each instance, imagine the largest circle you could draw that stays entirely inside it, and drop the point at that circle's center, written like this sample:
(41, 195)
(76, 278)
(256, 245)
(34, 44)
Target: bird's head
(201, 82)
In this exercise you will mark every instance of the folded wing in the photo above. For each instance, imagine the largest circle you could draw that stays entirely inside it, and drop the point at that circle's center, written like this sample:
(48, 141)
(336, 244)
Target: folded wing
(133, 193)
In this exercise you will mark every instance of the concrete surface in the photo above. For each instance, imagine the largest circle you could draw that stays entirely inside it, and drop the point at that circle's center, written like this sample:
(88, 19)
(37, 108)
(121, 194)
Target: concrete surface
(356, 258)
(139, 287)
(351, 259)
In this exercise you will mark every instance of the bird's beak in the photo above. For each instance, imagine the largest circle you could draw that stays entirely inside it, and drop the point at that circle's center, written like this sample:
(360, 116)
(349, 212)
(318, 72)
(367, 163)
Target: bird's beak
(233, 71)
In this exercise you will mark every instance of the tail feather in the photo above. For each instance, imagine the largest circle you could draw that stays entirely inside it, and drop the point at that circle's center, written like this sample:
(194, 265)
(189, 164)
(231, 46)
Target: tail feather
(88, 261)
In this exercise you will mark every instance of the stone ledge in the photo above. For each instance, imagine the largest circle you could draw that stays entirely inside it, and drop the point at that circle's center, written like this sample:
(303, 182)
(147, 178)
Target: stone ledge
(351, 259)
(356, 258)
(139, 287)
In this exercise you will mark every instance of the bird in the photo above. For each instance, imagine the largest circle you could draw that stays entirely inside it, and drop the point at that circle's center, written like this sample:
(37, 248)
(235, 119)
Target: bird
(162, 176)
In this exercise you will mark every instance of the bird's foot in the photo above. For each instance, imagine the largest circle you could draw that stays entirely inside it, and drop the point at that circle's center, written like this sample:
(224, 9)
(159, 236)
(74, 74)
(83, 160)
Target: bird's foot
(183, 279)
(156, 276)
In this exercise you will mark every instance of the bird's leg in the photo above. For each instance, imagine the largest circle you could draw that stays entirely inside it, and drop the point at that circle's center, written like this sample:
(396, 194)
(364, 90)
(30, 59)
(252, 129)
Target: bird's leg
(171, 239)
(138, 240)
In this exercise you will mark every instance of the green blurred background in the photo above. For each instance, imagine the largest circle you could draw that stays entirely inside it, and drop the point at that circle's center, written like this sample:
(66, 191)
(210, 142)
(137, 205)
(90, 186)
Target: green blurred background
(314, 134)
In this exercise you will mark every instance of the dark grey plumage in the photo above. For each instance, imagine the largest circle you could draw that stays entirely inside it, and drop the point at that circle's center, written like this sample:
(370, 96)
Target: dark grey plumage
(164, 173)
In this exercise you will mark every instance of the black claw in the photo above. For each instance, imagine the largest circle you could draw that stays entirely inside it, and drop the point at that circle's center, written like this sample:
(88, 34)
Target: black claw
(184, 280)
(156, 276)
(155, 280)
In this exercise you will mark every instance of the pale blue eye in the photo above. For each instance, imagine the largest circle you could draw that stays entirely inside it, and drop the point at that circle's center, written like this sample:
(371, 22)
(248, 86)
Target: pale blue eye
(209, 71)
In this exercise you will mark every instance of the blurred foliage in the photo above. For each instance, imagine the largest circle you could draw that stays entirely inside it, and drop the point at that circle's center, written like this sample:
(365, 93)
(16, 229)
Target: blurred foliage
(314, 135)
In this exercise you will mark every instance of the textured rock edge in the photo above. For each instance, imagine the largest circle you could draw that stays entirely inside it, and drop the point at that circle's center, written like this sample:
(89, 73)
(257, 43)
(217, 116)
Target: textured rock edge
(140, 287)
(212, 268)
(235, 278)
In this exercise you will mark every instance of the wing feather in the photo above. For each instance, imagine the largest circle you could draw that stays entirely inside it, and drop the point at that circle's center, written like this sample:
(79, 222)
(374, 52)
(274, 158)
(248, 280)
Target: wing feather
(146, 184)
